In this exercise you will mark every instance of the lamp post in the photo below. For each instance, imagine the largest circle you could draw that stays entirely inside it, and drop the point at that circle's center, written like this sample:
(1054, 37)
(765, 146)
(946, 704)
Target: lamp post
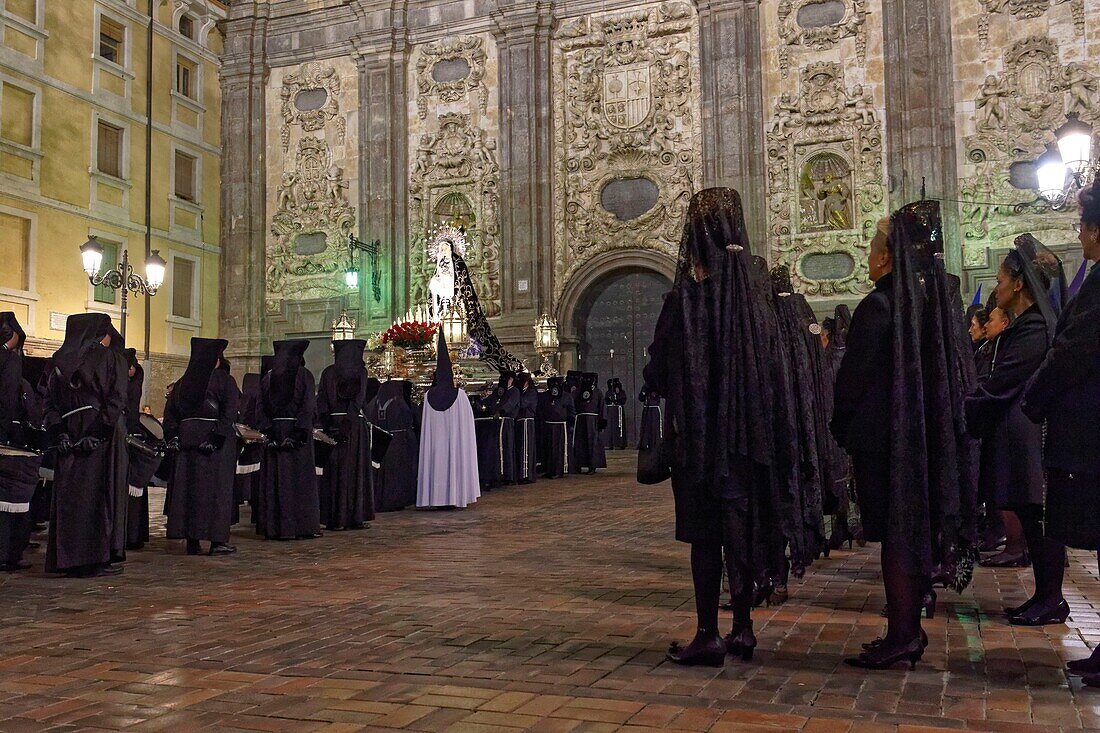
(546, 343)
(122, 276)
(1067, 165)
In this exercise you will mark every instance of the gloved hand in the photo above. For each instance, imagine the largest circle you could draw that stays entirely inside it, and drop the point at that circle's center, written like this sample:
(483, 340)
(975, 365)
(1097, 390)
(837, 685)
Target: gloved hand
(64, 444)
(336, 434)
(86, 444)
(289, 444)
(207, 448)
(172, 446)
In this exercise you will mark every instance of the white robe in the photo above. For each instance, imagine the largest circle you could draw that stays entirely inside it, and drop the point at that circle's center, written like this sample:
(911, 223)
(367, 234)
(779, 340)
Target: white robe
(448, 456)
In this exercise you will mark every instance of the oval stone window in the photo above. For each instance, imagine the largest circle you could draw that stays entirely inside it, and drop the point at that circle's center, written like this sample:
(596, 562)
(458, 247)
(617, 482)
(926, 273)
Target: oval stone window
(309, 244)
(1023, 175)
(827, 266)
(450, 70)
(821, 14)
(308, 100)
(629, 198)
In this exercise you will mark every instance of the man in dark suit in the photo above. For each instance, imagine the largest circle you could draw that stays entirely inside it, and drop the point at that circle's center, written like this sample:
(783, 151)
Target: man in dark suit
(1065, 392)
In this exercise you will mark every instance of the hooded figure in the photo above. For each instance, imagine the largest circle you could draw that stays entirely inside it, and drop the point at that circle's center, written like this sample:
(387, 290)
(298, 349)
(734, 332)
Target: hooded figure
(615, 401)
(526, 441)
(557, 410)
(289, 502)
(710, 359)
(845, 522)
(199, 419)
(448, 449)
(18, 468)
(144, 441)
(488, 426)
(347, 493)
(84, 416)
(1011, 464)
(394, 480)
(587, 449)
(505, 404)
(246, 481)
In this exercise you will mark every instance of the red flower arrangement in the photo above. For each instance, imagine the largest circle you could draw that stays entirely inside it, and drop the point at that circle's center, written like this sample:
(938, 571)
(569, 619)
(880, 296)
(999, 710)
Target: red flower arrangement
(410, 334)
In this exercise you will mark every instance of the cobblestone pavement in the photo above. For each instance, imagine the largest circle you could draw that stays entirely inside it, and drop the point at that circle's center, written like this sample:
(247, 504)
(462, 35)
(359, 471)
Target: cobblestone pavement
(543, 608)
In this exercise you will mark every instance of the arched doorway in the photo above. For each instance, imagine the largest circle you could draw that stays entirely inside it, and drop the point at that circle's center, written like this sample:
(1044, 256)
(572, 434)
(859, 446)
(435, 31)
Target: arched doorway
(617, 314)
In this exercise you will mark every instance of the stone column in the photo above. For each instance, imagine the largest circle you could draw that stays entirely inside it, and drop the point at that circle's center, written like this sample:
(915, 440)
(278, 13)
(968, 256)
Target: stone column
(381, 56)
(522, 31)
(920, 109)
(243, 224)
(732, 105)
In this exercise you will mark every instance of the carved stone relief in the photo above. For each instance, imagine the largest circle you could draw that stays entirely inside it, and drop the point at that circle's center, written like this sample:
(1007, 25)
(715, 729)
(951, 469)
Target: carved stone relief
(456, 174)
(321, 83)
(825, 181)
(1015, 114)
(1025, 9)
(449, 70)
(626, 109)
(455, 171)
(795, 32)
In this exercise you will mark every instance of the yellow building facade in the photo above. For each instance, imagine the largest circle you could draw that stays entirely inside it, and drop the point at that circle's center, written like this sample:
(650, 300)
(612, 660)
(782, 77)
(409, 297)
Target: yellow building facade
(74, 88)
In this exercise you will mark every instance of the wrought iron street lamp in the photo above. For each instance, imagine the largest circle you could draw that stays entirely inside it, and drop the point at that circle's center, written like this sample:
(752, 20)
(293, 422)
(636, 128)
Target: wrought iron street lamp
(1067, 165)
(122, 277)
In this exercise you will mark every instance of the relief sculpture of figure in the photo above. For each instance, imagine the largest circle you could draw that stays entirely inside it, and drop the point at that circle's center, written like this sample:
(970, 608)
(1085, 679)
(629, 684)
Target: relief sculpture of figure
(1080, 87)
(991, 104)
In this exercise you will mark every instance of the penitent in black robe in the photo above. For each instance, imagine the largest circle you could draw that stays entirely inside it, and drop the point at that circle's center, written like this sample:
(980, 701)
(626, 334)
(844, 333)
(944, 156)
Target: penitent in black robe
(487, 429)
(526, 441)
(346, 486)
(395, 480)
(246, 482)
(145, 458)
(87, 396)
(557, 410)
(200, 500)
(290, 505)
(507, 408)
(18, 473)
(587, 450)
(615, 401)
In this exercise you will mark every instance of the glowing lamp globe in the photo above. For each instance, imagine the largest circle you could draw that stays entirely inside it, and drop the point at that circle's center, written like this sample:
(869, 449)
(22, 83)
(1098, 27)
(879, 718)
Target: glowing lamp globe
(91, 254)
(1075, 143)
(1051, 172)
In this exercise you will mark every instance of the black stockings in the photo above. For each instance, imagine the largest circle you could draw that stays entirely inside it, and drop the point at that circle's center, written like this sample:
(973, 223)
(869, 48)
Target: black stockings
(1048, 557)
(904, 593)
(706, 573)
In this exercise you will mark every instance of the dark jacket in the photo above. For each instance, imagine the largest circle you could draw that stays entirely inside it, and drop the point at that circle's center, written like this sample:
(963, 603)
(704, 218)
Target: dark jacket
(1065, 391)
(861, 397)
(1012, 445)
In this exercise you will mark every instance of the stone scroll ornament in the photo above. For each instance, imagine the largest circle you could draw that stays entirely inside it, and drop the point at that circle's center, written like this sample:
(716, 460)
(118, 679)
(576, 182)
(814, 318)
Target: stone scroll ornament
(310, 99)
(627, 140)
(1026, 9)
(825, 181)
(798, 31)
(464, 58)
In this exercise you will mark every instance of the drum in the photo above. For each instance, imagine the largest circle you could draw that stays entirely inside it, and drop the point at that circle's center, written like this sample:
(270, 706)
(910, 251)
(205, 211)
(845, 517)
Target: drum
(151, 425)
(249, 435)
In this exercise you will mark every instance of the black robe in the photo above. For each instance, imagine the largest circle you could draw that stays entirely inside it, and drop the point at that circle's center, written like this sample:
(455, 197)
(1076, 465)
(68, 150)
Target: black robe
(200, 500)
(616, 419)
(18, 474)
(346, 485)
(290, 505)
(554, 434)
(246, 484)
(87, 483)
(395, 479)
(145, 458)
(507, 408)
(487, 430)
(587, 449)
(526, 438)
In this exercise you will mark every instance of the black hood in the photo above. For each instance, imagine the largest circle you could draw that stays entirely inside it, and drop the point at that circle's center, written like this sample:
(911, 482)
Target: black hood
(443, 392)
(350, 370)
(191, 389)
(9, 325)
(82, 332)
(288, 359)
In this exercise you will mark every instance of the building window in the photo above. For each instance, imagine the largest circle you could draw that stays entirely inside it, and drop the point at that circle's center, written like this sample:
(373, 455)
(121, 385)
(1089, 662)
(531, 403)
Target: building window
(15, 242)
(183, 288)
(187, 27)
(185, 78)
(111, 38)
(17, 115)
(185, 176)
(109, 149)
(25, 9)
(102, 293)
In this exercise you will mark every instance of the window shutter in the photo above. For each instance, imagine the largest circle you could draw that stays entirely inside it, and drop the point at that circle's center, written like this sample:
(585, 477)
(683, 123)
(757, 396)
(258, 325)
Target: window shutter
(109, 150)
(183, 285)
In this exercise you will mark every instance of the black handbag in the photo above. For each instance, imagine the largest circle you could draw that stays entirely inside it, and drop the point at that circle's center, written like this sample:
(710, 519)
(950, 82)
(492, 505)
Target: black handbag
(654, 466)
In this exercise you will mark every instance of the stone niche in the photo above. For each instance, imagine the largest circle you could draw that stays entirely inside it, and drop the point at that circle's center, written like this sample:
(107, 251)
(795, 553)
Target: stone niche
(454, 175)
(312, 179)
(627, 151)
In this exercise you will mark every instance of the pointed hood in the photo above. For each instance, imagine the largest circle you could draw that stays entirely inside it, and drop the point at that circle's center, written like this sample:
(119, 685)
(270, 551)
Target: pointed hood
(191, 388)
(82, 332)
(349, 367)
(977, 296)
(9, 326)
(443, 392)
(288, 359)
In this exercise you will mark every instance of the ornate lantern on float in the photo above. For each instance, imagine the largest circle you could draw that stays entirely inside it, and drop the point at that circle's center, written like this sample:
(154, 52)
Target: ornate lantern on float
(546, 343)
(343, 328)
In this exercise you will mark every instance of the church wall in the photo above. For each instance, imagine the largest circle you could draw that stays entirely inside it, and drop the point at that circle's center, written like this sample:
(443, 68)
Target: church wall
(504, 112)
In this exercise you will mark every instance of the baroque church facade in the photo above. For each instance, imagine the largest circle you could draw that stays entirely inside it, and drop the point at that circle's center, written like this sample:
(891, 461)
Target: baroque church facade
(570, 136)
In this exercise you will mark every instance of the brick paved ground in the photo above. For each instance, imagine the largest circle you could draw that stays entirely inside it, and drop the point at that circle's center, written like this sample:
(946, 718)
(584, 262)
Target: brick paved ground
(545, 608)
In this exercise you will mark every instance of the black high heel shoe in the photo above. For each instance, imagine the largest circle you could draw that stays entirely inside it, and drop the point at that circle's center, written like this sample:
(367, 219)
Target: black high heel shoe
(1091, 665)
(882, 658)
(741, 642)
(705, 650)
(868, 646)
(1041, 615)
